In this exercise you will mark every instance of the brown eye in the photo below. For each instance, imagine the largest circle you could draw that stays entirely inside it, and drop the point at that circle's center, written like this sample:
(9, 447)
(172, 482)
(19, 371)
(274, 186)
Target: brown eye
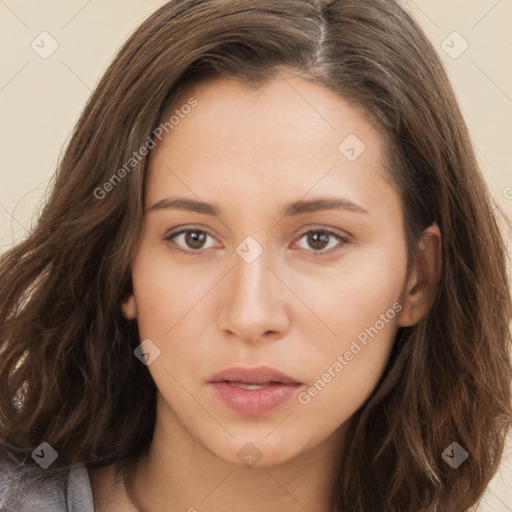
(195, 239)
(318, 239)
(189, 240)
(323, 241)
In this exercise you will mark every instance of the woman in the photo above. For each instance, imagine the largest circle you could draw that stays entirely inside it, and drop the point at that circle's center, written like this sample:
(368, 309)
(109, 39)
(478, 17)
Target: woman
(269, 276)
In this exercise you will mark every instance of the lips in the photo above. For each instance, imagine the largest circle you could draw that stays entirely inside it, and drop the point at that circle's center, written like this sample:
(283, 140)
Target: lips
(259, 375)
(253, 391)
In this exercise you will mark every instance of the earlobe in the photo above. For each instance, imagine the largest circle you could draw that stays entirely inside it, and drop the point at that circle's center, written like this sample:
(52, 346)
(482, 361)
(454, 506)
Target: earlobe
(129, 307)
(424, 278)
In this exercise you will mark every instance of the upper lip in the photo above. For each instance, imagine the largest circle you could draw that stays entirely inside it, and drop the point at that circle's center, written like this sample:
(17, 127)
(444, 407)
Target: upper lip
(258, 375)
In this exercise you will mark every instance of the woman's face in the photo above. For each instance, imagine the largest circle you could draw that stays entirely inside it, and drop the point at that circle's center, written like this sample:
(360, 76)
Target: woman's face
(278, 277)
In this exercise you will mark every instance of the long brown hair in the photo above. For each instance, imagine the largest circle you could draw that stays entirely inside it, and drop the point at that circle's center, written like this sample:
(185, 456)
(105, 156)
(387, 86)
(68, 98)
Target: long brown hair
(68, 375)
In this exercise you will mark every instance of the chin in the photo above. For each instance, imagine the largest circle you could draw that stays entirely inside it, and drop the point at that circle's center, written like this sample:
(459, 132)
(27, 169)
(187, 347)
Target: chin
(256, 451)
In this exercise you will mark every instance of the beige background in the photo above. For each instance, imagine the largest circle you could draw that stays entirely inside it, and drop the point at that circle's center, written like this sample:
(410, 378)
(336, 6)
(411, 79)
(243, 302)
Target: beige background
(40, 99)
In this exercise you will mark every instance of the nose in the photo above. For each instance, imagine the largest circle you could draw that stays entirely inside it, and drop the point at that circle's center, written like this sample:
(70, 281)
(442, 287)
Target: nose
(253, 302)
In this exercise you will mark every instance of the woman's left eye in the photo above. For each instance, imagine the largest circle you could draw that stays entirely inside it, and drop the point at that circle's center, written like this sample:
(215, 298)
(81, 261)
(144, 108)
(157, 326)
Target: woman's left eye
(320, 240)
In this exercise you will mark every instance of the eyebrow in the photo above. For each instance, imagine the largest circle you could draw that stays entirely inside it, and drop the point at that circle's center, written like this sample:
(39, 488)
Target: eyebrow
(293, 209)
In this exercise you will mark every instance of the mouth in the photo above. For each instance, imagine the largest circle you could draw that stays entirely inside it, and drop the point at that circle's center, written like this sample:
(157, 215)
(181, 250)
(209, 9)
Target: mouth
(262, 376)
(250, 385)
(253, 391)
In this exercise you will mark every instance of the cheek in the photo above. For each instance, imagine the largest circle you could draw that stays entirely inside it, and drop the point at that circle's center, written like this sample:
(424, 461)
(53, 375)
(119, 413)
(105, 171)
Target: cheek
(359, 311)
(172, 311)
(353, 296)
(164, 294)
(343, 373)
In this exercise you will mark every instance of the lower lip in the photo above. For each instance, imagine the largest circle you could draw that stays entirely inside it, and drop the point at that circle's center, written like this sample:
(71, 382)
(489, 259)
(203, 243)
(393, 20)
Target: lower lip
(253, 402)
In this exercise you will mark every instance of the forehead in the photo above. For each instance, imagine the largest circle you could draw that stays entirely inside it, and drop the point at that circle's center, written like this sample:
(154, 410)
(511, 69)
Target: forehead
(288, 102)
(285, 136)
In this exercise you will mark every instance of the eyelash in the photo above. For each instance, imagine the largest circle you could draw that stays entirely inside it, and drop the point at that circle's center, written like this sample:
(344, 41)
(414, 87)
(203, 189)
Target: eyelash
(343, 239)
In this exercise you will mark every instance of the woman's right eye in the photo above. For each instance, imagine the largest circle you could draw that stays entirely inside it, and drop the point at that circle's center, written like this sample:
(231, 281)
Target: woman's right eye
(190, 240)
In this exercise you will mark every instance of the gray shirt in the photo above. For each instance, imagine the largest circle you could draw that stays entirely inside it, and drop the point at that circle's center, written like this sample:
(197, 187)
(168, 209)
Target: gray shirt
(30, 489)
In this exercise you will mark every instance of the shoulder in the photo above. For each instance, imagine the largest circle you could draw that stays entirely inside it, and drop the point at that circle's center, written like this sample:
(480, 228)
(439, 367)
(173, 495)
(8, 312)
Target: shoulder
(27, 488)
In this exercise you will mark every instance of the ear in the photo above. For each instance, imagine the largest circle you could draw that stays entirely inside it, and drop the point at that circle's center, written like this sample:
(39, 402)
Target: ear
(129, 307)
(423, 279)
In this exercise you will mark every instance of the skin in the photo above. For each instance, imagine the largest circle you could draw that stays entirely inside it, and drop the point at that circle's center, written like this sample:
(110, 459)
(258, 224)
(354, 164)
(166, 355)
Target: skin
(252, 152)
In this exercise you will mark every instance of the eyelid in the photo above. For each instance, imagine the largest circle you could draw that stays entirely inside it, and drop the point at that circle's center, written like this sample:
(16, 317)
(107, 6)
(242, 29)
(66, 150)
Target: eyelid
(321, 227)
